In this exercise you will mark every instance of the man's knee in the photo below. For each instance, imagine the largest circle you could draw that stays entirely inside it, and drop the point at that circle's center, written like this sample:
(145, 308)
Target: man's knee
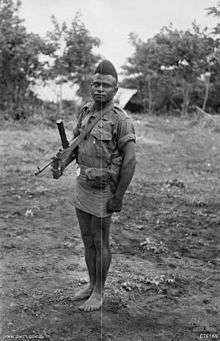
(101, 245)
(98, 242)
(88, 241)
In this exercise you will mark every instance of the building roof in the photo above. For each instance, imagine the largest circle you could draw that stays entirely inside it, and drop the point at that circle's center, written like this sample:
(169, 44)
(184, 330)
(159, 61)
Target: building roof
(54, 91)
(124, 95)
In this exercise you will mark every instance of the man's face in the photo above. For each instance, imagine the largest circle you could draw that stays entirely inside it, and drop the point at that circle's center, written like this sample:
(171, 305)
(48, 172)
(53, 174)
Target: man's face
(103, 88)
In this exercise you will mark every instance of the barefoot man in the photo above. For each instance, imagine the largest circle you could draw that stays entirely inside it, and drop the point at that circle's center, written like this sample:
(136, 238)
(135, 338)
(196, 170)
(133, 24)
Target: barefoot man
(106, 158)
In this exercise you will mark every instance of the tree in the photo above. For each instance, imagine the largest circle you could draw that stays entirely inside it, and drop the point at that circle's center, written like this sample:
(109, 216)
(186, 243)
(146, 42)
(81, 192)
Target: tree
(191, 51)
(19, 57)
(214, 78)
(215, 11)
(141, 69)
(75, 60)
(169, 63)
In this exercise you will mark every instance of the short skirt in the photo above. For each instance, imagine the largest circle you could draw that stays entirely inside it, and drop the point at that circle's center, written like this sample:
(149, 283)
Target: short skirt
(91, 200)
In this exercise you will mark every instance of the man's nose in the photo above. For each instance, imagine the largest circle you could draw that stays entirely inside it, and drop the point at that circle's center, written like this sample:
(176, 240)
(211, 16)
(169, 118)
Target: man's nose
(100, 87)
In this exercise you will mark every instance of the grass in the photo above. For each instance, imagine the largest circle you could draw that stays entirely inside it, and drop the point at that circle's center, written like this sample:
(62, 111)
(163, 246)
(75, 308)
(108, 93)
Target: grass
(162, 283)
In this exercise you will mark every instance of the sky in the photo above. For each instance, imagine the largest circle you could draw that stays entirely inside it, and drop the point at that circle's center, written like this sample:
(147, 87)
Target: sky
(113, 20)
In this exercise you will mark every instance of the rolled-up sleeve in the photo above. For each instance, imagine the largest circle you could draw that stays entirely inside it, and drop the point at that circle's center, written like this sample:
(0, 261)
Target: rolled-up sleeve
(125, 132)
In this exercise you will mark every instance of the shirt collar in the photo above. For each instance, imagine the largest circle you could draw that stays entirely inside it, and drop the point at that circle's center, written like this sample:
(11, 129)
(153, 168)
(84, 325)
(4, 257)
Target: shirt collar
(106, 109)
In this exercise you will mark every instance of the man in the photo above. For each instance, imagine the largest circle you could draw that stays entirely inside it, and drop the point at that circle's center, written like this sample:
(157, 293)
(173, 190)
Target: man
(106, 158)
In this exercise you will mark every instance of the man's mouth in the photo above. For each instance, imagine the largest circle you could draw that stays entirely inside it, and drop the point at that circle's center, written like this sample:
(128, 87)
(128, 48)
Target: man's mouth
(99, 95)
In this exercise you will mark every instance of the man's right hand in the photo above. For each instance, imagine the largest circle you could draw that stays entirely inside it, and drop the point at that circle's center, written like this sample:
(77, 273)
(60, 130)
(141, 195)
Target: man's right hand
(55, 166)
(61, 161)
(56, 172)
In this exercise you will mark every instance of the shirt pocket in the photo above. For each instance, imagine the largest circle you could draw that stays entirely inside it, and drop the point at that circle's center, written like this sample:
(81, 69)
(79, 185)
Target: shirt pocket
(102, 139)
(103, 131)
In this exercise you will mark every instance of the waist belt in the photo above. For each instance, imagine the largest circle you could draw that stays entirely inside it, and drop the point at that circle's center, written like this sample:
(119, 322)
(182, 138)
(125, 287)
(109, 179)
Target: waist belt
(98, 177)
(84, 169)
(95, 177)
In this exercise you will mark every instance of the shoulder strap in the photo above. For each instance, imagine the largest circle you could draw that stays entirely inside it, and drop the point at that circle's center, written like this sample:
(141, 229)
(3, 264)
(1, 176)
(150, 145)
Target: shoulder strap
(89, 126)
(85, 132)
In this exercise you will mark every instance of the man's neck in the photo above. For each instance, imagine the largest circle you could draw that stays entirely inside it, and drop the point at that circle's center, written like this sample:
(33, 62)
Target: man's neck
(102, 106)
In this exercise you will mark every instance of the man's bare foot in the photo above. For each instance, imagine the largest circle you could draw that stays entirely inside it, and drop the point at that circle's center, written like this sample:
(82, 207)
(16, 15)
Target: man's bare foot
(83, 294)
(94, 302)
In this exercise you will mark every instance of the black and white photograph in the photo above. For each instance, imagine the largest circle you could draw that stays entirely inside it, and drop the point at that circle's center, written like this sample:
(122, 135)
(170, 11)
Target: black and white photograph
(109, 170)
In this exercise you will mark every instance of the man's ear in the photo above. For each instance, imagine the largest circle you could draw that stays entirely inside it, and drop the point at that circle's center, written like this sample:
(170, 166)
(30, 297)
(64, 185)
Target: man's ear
(116, 89)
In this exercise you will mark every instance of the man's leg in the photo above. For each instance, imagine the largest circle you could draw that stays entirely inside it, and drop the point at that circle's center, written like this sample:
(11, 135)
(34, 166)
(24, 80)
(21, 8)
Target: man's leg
(100, 230)
(85, 223)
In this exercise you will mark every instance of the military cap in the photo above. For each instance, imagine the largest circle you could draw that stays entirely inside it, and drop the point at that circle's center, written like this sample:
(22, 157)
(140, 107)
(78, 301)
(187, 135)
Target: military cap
(105, 67)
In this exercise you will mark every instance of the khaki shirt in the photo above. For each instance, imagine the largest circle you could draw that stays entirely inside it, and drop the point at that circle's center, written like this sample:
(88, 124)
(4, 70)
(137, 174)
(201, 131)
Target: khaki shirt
(103, 146)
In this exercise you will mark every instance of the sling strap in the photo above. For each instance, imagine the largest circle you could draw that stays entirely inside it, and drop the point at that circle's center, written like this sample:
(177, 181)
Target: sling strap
(69, 152)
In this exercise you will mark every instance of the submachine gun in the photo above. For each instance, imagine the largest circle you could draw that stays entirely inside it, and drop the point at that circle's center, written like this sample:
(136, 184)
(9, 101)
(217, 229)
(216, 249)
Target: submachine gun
(69, 152)
(65, 144)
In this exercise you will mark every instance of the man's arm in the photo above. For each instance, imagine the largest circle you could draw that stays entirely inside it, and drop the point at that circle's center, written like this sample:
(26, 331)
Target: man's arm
(126, 175)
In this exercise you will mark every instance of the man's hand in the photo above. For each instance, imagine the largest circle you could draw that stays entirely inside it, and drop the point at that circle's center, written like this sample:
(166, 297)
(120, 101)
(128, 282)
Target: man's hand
(56, 167)
(61, 161)
(65, 158)
(114, 205)
(56, 172)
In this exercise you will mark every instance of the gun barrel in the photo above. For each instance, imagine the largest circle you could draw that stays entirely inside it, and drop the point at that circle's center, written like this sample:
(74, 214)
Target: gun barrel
(62, 133)
(40, 170)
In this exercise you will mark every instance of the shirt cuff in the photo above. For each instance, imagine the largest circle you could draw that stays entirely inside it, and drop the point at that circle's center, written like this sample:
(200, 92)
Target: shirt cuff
(125, 139)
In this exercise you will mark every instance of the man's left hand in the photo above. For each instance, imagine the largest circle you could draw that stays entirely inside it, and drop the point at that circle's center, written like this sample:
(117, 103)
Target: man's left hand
(114, 205)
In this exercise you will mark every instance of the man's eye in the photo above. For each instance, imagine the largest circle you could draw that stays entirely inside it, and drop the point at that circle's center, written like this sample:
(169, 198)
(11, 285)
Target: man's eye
(103, 85)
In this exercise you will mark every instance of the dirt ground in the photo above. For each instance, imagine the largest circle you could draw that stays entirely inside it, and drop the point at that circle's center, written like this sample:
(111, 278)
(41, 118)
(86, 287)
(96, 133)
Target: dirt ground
(163, 279)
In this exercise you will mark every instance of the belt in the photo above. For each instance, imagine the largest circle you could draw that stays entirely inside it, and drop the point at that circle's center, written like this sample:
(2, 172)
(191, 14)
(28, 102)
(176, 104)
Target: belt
(83, 169)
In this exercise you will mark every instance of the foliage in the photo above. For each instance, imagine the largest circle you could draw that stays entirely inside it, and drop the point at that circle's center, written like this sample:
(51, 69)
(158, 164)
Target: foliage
(214, 100)
(174, 71)
(170, 63)
(65, 55)
(74, 56)
(215, 11)
(19, 58)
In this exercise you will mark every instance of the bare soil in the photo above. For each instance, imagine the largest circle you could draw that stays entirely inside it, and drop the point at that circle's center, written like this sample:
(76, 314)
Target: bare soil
(163, 279)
